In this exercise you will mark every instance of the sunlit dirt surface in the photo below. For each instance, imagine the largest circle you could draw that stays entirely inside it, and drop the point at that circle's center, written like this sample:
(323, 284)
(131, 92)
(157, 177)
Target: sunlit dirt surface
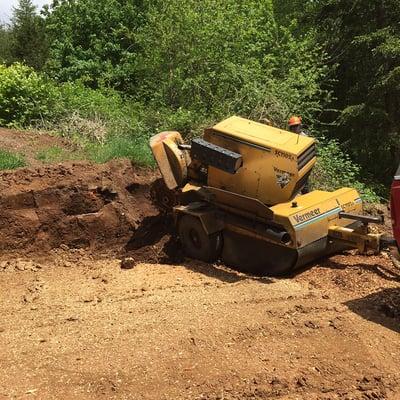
(75, 325)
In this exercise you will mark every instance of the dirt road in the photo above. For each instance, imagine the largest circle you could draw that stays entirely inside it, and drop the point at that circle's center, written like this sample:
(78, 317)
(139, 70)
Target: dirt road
(74, 325)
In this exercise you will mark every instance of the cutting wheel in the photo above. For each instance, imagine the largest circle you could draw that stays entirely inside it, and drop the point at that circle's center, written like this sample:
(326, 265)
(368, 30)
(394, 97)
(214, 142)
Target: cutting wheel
(162, 197)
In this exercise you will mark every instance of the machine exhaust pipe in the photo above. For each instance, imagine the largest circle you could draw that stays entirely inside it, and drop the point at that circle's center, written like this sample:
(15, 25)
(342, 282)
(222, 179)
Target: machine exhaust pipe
(278, 236)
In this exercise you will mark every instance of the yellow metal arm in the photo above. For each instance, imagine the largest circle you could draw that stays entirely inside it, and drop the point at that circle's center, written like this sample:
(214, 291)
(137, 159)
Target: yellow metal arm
(362, 240)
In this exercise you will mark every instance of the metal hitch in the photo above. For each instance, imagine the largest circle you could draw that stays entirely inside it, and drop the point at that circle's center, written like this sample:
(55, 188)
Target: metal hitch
(365, 219)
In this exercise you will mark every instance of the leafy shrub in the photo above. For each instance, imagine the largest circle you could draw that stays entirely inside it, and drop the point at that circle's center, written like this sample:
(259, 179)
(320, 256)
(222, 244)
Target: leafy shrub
(10, 160)
(25, 96)
(334, 169)
(220, 57)
(105, 104)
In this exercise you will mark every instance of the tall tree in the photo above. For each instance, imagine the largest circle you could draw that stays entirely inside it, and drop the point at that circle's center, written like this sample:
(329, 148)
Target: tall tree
(5, 39)
(362, 38)
(28, 38)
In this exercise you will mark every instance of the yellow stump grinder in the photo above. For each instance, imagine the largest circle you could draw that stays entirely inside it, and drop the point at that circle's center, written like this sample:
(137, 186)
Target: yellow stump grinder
(235, 195)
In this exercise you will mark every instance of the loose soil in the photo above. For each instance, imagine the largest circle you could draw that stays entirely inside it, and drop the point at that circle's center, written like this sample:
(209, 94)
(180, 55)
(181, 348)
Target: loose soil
(75, 325)
(75, 204)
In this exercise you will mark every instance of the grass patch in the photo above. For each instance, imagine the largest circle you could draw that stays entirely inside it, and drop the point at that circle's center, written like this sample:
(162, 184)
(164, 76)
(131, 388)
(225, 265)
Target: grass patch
(10, 160)
(114, 147)
(121, 147)
(55, 154)
(51, 154)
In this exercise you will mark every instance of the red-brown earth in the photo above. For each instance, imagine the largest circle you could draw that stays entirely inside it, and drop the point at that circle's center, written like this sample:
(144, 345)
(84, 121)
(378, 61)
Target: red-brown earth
(75, 325)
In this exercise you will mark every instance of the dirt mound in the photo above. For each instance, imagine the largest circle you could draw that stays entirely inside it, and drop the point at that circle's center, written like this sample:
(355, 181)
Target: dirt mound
(75, 204)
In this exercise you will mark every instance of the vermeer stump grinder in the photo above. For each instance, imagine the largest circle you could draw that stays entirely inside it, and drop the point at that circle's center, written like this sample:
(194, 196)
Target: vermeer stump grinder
(235, 195)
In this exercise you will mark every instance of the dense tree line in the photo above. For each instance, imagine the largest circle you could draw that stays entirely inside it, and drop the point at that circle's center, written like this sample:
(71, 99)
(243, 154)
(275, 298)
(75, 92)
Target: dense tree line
(362, 40)
(336, 62)
(212, 57)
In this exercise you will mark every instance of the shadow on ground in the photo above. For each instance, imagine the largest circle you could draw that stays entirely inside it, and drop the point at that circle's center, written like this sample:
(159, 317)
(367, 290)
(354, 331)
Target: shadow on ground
(382, 307)
(155, 242)
(390, 274)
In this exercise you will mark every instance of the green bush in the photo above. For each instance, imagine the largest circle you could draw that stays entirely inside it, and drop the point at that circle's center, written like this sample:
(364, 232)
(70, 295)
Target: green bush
(100, 122)
(335, 169)
(220, 58)
(25, 96)
(104, 105)
(10, 160)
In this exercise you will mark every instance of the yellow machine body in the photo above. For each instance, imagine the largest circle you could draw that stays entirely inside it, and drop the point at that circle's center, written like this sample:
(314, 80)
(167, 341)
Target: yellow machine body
(239, 200)
(309, 217)
(276, 163)
(310, 226)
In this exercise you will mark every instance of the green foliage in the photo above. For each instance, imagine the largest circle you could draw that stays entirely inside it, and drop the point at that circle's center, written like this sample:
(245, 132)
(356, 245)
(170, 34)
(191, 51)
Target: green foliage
(25, 97)
(93, 41)
(28, 42)
(364, 42)
(212, 58)
(335, 169)
(100, 121)
(105, 111)
(10, 160)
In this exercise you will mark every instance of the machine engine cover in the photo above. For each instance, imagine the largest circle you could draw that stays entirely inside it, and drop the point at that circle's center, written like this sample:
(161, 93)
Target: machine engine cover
(276, 163)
